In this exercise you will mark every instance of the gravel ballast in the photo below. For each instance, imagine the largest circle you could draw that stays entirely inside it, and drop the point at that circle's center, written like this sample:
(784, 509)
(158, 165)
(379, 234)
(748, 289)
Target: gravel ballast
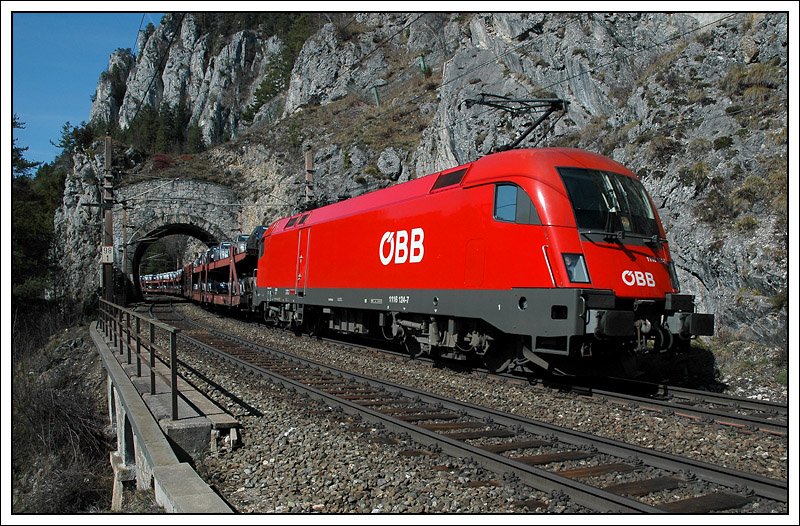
(291, 462)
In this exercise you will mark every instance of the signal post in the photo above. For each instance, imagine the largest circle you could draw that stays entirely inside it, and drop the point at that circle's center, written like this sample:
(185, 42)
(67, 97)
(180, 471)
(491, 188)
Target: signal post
(107, 249)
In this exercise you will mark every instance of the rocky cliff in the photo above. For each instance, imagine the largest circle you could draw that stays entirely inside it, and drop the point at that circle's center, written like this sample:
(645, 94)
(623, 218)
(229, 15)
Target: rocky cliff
(696, 104)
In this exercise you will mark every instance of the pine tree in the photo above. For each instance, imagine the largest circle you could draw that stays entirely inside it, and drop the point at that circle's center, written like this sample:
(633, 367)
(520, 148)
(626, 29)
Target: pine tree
(194, 139)
(34, 200)
(20, 166)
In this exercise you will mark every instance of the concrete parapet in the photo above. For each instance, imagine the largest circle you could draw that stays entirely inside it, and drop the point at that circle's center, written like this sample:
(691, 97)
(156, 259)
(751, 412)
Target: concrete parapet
(180, 490)
(143, 447)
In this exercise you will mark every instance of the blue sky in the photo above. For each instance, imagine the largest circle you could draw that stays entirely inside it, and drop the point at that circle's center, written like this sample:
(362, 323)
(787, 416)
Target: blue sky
(56, 61)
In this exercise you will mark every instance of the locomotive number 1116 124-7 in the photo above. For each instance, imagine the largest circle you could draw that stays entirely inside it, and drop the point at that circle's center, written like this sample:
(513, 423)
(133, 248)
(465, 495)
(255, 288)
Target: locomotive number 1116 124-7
(399, 299)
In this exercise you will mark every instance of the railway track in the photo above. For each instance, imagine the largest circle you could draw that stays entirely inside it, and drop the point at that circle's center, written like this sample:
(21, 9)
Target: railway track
(595, 472)
(700, 406)
(705, 407)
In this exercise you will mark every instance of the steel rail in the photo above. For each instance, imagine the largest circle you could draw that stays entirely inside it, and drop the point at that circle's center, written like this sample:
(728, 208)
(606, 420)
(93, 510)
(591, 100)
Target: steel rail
(717, 415)
(755, 422)
(761, 486)
(582, 494)
(720, 398)
(710, 397)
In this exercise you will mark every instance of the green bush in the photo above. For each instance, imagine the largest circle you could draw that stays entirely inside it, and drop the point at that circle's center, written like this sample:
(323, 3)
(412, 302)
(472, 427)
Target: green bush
(747, 224)
(722, 142)
(275, 81)
(767, 75)
(33, 206)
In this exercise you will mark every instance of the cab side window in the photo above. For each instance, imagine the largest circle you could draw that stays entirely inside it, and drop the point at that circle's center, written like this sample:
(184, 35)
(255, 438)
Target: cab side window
(512, 205)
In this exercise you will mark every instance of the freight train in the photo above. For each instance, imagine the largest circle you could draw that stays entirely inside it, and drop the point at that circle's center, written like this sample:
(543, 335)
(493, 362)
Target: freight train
(549, 257)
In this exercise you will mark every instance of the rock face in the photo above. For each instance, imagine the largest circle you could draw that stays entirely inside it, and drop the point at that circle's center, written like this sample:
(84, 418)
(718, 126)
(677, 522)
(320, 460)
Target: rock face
(695, 104)
(78, 230)
(111, 87)
(176, 66)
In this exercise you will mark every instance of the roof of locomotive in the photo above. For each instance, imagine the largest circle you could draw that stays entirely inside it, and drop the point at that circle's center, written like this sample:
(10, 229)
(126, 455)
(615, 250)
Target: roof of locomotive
(539, 163)
(535, 163)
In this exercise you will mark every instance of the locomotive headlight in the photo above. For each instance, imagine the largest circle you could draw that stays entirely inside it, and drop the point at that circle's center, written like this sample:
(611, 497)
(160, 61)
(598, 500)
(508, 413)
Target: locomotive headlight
(673, 276)
(576, 268)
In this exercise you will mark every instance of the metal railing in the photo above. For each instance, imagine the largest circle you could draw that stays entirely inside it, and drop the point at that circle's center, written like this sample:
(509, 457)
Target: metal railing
(123, 328)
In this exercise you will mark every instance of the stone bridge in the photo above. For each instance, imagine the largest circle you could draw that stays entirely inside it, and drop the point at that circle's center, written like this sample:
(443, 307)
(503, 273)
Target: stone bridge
(148, 211)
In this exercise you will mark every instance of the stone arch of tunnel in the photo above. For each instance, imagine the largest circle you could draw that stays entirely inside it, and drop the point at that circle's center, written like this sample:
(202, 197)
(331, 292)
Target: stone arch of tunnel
(155, 208)
(193, 227)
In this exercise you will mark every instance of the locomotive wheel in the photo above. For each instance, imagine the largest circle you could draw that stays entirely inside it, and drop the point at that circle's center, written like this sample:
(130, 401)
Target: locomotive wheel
(296, 327)
(412, 346)
(315, 327)
(498, 358)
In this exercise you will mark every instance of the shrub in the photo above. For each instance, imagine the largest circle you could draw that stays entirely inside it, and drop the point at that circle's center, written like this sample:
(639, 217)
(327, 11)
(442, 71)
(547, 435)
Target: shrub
(715, 207)
(778, 186)
(753, 189)
(696, 175)
(663, 148)
(767, 75)
(60, 458)
(747, 224)
(294, 134)
(161, 161)
(722, 142)
(705, 38)
(275, 80)
(780, 301)
(346, 29)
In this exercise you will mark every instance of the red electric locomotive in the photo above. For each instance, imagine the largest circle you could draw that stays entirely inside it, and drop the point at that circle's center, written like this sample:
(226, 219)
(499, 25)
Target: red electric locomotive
(541, 256)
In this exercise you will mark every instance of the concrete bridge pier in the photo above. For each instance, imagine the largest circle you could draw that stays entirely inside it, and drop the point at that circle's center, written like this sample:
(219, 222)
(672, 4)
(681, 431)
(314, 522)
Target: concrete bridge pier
(123, 460)
(133, 463)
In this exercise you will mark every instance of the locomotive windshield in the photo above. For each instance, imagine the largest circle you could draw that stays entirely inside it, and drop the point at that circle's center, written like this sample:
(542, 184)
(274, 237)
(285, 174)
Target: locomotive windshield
(609, 202)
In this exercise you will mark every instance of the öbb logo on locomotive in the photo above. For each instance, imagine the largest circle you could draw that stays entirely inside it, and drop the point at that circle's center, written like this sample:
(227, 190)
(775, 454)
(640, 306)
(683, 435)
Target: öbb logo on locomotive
(399, 247)
(637, 277)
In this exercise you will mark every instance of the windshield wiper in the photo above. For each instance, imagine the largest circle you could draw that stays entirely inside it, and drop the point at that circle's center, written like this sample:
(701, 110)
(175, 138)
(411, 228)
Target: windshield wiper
(655, 239)
(619, 235)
